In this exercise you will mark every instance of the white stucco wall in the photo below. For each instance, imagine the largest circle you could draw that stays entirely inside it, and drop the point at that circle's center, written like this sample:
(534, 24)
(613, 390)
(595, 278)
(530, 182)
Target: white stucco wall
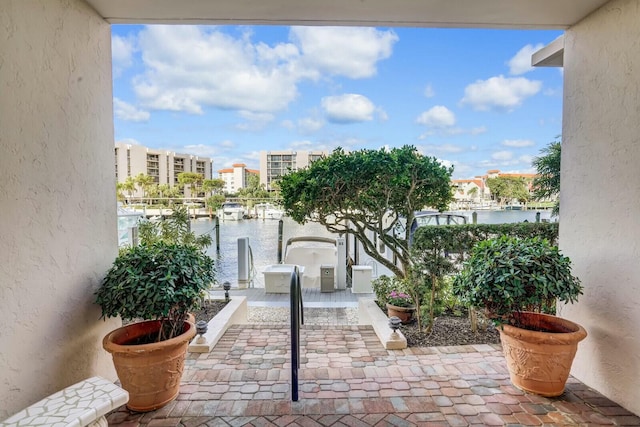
(57, 196)
(600, 200)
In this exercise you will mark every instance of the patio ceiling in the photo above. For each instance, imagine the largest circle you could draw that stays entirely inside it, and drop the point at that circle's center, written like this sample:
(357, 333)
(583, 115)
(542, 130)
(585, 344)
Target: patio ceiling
(526, 14)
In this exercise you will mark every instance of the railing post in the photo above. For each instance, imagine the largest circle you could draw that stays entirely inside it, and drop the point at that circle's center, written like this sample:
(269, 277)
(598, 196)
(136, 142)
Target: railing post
(297, 318)
(280, 233)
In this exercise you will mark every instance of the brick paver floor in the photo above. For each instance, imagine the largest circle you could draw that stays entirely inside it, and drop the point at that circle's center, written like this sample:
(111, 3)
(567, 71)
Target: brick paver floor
(348, 379)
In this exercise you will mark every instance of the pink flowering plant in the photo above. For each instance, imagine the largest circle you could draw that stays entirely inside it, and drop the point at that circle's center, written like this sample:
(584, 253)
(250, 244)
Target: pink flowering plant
(399, 299)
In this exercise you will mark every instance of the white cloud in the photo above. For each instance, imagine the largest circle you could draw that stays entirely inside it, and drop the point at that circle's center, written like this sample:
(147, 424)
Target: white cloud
(309, 125)
(228, 144)
(437, 117)
(501, 93)
(521, 62)
(348, 108)
(518, 143)
(502, 156)
(428, 91)
(254, 121)
(125, 111)
(348, 51)
(121, 53)
(189, 68)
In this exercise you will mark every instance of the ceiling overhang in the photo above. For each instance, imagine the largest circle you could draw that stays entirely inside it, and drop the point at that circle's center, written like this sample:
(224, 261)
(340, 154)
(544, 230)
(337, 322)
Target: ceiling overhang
(523, 14)
(552, 55)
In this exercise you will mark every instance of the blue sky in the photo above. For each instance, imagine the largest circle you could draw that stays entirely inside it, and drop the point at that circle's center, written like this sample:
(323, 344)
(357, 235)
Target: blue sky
(467, 97)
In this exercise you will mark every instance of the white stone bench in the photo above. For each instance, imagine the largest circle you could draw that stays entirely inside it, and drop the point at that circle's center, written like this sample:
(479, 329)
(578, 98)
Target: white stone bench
(83, 404)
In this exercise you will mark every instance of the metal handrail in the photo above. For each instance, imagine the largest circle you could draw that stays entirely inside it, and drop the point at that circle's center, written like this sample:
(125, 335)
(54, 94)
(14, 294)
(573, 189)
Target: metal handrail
(297, 319)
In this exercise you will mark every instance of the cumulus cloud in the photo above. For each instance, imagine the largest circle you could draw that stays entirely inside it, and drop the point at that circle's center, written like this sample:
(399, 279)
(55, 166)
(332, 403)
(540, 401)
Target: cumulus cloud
(190, 68)
(348, 51)
(348, 108)
(122, 50)
(216, 70)
(437, 117)
(501, 93)
(125, 111)
(518, 143)
(521, 62)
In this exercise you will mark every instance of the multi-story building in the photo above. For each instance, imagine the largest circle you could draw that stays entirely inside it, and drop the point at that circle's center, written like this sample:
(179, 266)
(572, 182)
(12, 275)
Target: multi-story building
(236, 177)
(162, 165)
(274, 164)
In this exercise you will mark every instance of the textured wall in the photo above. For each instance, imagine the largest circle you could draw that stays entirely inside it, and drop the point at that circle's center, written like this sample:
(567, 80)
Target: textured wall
(600, 200)
(57, 196)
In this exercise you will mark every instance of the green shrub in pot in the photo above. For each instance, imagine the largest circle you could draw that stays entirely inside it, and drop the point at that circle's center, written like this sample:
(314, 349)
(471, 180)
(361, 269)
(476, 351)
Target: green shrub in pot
(163, 278)
(507, 275)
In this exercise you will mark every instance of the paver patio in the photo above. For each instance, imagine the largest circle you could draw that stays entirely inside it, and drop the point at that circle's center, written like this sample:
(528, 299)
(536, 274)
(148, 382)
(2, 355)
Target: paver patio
(348, 379)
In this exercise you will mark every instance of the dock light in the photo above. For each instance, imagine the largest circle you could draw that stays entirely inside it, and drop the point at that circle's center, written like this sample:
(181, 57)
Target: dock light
(394, 324)
(201, 329)
(226, 286)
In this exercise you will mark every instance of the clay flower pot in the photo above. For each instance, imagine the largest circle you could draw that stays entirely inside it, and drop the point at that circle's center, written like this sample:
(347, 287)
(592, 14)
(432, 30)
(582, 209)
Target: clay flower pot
(405, 314)
(540, 362)
(151, 373)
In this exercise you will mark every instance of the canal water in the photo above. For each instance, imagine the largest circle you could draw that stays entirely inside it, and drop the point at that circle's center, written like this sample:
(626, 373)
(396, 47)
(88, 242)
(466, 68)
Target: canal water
(263, 239)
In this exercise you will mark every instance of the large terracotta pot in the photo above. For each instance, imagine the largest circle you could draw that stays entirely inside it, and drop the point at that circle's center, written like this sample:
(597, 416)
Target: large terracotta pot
(540, 362)
(405, 314)
(151, 373)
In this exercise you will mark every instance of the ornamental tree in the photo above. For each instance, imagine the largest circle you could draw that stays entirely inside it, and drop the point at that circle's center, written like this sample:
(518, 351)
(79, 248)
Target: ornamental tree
(369, 193)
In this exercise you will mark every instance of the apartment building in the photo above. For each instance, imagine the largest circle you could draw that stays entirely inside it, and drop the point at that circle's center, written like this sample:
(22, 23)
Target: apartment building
(162, 165)
(236, 177)
(274, 164)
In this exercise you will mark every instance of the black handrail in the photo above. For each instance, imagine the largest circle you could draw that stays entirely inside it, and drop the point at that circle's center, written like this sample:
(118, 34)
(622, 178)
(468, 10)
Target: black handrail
(297, 318)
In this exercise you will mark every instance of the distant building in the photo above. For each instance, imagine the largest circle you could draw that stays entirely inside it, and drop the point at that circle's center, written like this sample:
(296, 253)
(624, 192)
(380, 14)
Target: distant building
(274, 164)
(236, 177)
(164, 166)
(470, 190)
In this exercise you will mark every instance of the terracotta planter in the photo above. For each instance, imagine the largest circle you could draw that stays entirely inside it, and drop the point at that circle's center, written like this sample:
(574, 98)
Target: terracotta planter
(405, 314)
(540, 362)
(151, 373)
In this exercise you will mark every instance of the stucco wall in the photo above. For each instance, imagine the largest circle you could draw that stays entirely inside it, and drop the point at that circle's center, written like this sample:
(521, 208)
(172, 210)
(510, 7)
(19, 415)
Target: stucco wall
(57, 196)
(600, 200)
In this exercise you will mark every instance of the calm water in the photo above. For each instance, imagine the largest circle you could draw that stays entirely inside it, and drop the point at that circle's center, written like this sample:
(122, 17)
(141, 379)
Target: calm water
(263, 239)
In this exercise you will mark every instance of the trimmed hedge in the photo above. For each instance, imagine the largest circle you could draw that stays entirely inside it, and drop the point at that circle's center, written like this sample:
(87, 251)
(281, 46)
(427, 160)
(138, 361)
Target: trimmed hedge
(458, 240)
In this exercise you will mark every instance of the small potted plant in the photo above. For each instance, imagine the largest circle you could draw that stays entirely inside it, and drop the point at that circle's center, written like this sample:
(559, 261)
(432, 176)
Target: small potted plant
(516, 281)
(401, 305)
(159, 282)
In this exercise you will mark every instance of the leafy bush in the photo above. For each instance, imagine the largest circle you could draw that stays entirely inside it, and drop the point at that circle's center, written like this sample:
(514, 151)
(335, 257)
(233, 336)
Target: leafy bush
(509, 274)
(161, 279)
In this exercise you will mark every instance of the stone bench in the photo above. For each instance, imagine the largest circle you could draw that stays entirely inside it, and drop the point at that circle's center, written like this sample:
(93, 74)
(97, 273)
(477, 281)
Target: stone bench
(83, 404)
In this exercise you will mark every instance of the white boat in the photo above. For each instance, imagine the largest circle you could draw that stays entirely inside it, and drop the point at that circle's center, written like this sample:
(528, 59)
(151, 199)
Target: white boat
(231, 211)
(312, 253)
(267, 211)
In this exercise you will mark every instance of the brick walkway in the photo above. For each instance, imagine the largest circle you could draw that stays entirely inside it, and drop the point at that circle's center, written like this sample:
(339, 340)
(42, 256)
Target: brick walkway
(348, 379)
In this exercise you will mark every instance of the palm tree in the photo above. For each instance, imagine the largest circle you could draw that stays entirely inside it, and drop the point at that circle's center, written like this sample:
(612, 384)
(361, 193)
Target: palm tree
(547, 183)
